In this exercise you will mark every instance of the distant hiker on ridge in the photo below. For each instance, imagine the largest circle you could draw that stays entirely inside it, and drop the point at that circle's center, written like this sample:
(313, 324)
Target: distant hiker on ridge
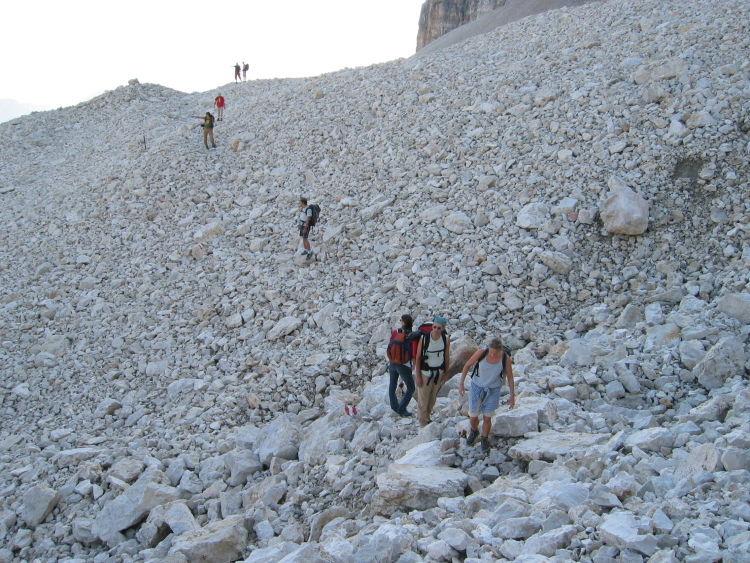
(219, 104)
(245, 68)
(237, 72)
(208, 128)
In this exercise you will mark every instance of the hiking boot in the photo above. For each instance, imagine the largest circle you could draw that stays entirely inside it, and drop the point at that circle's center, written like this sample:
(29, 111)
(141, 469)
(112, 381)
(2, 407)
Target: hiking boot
(405, 413)
(485, 444)
(472, 437)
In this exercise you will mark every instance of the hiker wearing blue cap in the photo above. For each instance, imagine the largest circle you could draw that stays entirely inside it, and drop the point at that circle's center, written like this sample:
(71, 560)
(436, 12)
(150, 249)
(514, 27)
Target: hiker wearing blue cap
(433, 359)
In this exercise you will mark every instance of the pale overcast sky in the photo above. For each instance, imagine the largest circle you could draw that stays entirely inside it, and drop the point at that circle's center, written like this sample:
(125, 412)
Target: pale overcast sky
(57, 53)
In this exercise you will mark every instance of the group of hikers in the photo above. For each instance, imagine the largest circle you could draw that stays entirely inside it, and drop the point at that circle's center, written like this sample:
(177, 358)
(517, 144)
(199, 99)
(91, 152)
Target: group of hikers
(421, 358)
(425, 353)
(245, 67)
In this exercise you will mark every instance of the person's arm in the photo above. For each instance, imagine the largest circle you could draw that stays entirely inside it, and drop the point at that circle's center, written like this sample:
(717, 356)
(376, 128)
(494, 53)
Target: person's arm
(511, 382)
(419, 363)
(473, 360)
(308, 218)
(447, 359)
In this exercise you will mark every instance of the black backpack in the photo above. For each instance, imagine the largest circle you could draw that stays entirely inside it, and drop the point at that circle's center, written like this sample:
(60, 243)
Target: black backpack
(506, 353)
(315, 208)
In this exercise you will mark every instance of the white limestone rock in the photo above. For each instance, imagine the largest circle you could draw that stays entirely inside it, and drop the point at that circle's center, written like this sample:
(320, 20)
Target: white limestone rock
(735, 305)
(621, 530)
(533, 216)
(725, 359)
(218, 542)
(280, 438)
(38, 502)
(458, 223)
(427, 454)
(549, 445)
(557, 262)
(149, 491)
(624, 212)
(650, 439)
(415, 487)
(285, 326)
(525, 417)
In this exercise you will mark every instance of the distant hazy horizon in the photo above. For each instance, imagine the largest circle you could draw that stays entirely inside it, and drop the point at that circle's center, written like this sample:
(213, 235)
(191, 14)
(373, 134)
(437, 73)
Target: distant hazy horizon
(74, 51)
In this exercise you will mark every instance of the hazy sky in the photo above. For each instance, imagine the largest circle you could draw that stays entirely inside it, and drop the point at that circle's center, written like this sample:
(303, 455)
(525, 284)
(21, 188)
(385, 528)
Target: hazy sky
(58, 53)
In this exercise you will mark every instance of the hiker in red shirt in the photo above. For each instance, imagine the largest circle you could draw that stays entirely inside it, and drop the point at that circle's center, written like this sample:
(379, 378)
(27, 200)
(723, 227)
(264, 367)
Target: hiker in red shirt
(219, 104)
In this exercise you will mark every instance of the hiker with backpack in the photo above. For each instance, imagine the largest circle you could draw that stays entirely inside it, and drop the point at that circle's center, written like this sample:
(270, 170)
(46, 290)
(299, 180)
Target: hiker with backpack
(208, 128)
(308, 218)
(400, 353)
(492, 367)
(433, 360)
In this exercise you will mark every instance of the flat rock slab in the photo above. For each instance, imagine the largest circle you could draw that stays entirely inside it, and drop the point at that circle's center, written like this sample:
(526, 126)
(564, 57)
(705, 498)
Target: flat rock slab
(416, 487)
(550, 445)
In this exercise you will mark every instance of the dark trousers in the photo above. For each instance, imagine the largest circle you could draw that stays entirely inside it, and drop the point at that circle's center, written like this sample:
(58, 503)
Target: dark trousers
(403, 371)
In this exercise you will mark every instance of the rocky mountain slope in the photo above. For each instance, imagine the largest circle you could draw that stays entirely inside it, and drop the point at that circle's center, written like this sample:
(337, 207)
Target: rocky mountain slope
(179, 385)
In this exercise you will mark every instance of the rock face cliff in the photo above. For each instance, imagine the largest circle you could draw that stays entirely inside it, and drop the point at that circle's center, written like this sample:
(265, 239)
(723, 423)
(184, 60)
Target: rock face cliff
(438, 17)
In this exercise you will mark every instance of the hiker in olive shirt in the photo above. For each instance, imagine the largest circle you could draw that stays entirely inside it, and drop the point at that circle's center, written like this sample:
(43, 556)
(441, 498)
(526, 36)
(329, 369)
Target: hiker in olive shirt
(208, 128)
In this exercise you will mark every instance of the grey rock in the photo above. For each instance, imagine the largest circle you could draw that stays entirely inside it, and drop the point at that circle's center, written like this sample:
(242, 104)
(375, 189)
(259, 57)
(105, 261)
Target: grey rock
(134, 504)
(219, 542)
(38, 502)
(624, 212)
(281, 438)
(725, 359)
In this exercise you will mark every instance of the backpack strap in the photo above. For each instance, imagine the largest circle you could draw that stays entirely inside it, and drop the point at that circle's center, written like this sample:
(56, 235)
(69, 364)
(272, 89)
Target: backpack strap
(475, 370)
(434, 371)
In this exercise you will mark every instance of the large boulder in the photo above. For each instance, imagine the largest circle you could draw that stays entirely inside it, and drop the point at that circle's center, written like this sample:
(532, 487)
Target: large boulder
(525, 417)
(624, 212)
(462, 349)
(336, 425)
(415, 487)
(650, 439)
(533, 216)
(427, 454)
(735, 305)
(280, 438)
(38, 502)
(621, 530)
(725, 359)
(219, 542)
(150, 490)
